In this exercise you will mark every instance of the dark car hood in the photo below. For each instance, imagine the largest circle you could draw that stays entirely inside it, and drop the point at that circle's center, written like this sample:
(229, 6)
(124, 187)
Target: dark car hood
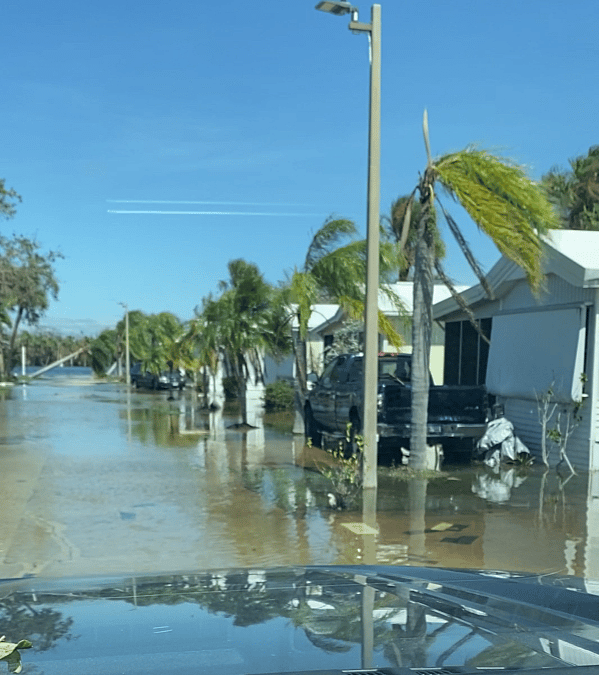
(302, 619)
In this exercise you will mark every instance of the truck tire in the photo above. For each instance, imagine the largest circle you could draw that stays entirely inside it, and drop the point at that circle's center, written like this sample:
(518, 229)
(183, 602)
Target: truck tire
(312, 429)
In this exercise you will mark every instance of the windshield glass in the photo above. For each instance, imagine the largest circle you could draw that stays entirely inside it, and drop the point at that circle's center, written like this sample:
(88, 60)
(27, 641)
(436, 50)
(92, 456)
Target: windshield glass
(190, 196)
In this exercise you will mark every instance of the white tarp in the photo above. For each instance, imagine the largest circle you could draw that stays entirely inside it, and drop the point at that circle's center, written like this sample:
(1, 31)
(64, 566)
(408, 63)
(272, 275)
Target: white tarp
(534, 351)
(500, 444)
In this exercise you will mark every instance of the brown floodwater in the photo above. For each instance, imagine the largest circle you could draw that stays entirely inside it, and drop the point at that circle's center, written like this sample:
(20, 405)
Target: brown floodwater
(97, 479)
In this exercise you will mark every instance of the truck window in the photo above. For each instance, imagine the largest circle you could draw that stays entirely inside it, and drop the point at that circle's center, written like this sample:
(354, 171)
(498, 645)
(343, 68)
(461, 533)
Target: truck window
(334, 371)
(403, 370)
(387, 367)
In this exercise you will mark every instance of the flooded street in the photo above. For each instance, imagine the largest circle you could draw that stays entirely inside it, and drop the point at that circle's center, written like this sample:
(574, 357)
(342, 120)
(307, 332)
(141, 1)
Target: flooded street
(96, 479)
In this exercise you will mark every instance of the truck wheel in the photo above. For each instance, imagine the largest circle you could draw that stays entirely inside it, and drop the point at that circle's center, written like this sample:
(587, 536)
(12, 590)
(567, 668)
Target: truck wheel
(312, 428)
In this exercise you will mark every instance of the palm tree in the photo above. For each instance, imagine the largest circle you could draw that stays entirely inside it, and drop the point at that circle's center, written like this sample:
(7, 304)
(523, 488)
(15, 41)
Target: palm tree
(507, 206)
(154, 340)
(334, 270)
(575, 193)
(201, 353)
(103, 351)
(401, 226)
(246, 319)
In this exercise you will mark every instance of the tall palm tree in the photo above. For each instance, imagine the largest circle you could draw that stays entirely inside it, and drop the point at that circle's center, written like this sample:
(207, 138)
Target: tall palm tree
(401, 226)
(507, 206)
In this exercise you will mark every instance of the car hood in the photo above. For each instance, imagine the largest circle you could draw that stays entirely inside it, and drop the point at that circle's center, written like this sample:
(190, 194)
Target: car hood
(333, 619)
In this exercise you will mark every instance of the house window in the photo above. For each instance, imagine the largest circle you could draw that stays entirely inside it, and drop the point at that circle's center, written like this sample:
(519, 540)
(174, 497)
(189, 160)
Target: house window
(466, 353)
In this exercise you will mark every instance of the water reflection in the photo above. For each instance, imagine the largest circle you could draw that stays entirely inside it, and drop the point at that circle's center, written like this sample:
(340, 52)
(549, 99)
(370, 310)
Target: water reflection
(496, 484)
(309, 618)
(199, 491)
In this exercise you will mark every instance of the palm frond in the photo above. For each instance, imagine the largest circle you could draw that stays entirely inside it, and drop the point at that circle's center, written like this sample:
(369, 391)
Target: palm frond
(390, 257)
(303, 292)
(507, 205)
(342, 271)
(355, 310)
(407, 219)
(427, 143)
(328, 238)
(466, 250)
(392, 296)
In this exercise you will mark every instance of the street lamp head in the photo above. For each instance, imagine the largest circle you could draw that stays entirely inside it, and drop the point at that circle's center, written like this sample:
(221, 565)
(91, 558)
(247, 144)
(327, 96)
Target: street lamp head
(337, 7)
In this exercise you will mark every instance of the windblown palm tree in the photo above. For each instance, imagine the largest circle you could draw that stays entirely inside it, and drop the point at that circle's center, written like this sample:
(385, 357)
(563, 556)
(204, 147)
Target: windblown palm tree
(507, 206)
(334, 270)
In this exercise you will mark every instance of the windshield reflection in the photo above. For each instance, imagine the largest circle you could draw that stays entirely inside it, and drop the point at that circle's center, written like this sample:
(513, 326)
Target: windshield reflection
(310, 618)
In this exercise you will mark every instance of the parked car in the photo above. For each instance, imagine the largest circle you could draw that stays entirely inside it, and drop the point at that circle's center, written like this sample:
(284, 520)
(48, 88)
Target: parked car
(167, 379)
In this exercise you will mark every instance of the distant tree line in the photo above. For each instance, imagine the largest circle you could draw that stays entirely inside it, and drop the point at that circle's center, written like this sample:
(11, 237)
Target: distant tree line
(43, 347)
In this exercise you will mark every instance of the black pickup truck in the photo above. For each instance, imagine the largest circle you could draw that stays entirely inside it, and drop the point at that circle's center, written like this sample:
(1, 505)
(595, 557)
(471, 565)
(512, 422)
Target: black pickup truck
(336, 400)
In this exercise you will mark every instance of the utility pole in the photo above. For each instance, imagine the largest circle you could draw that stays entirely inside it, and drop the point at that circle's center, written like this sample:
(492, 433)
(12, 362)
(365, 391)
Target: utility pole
(127, 361)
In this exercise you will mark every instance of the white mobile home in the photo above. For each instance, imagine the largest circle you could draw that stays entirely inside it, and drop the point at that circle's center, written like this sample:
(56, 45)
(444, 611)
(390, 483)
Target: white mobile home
(327, 319)
(537, 344)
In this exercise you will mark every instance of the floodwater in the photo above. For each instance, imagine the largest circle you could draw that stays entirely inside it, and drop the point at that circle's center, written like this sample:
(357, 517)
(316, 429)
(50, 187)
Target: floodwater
(98, 479)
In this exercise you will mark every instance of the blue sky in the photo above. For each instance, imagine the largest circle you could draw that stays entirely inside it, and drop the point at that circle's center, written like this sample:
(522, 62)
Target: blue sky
(249, 122)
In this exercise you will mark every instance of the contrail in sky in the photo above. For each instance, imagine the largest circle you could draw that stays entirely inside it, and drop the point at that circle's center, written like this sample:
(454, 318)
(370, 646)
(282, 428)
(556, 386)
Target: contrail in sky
(205, 213)
(207, 203)
(218, 213)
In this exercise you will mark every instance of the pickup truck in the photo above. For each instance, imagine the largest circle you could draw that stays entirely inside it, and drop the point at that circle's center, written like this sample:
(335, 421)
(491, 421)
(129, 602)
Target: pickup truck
(455, 412)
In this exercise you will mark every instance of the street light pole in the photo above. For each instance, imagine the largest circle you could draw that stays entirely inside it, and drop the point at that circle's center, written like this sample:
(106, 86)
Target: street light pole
(127, 363)
(371, 338)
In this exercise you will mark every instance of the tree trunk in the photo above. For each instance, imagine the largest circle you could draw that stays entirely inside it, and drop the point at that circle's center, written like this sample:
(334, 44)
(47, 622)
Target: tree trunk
(8, 358)
(301, 384)
(243, 403)
(422, 328)
(2, 371)
(241, 375)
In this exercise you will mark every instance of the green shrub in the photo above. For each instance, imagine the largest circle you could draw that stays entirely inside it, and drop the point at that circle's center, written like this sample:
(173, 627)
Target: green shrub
(279, 396)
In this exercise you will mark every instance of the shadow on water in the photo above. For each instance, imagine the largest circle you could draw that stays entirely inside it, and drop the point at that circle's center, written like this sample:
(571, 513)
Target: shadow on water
(103, 479)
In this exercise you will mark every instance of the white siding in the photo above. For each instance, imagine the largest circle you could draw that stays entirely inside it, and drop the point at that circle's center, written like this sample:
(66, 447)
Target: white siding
(523, 412)
(556, 291)
(524, 416)
(532, 352)
(593, 379)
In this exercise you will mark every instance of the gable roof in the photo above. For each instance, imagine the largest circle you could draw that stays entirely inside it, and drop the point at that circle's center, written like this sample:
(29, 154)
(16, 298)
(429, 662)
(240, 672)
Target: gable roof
(572, 255)
(321, 314)
(325, 315)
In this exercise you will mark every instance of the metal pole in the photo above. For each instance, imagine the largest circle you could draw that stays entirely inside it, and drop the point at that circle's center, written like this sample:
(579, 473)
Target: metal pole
(127, 358)
(371, 339)
(127, 362)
